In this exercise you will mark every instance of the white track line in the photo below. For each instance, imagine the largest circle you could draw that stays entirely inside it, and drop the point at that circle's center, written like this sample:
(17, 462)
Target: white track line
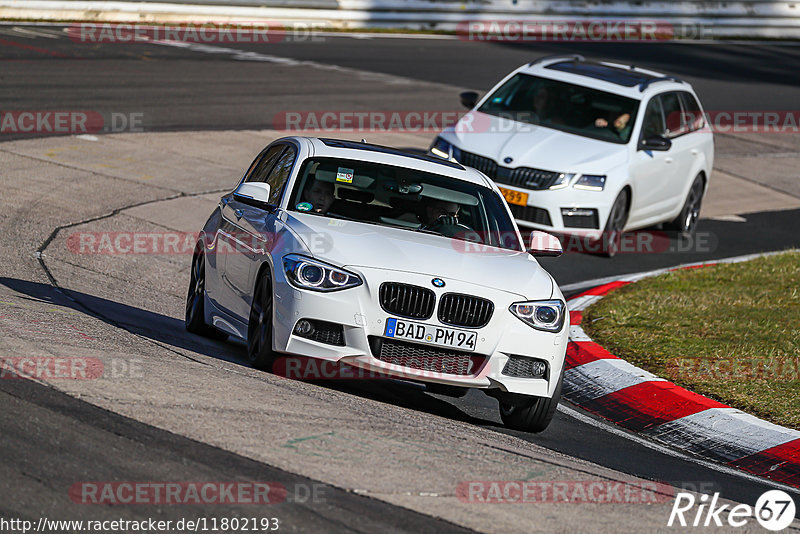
(603, 377)
(714, 466)
(246, 55)
(583, 302)
(32, 34)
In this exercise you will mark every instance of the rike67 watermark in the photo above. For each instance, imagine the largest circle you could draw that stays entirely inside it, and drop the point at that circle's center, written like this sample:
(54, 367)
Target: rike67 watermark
(774, 510)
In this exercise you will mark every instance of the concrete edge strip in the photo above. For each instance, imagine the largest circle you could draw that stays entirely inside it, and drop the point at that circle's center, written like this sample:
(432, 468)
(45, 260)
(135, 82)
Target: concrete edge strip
(728, 22)
(641, 402)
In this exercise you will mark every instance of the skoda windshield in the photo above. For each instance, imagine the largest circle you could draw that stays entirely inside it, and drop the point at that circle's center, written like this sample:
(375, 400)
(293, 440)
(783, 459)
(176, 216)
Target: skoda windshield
(563, 106)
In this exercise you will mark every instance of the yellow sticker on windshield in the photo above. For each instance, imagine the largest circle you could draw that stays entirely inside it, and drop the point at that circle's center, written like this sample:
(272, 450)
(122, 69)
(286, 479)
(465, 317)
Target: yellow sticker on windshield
(345, 175)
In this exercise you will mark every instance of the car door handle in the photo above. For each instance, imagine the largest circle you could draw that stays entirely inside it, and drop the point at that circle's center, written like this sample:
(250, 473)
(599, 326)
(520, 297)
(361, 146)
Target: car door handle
(668, 160)
(695, 152)
(238, 213)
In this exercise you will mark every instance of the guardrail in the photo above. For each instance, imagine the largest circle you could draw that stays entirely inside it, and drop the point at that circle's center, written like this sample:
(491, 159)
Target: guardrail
(689, 18)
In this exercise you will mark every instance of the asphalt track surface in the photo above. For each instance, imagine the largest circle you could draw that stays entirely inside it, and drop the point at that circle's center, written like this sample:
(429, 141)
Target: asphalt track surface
(184, 90)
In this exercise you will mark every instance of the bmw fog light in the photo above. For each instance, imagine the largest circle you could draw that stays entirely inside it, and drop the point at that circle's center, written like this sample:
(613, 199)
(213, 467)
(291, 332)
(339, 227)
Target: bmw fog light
(303, 328)
(538, 369)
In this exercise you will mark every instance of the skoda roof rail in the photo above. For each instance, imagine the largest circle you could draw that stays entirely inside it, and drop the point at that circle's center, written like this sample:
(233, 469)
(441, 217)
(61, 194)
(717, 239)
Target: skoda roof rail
(646, 83)
(573, 57)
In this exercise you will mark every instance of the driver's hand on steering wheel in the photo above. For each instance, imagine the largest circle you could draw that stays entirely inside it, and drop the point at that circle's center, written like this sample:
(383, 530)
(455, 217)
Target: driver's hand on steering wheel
(445, 220)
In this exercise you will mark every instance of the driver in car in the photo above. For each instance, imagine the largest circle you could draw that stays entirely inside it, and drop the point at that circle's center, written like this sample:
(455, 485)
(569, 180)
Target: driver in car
(622, 125)
(440, 212)
(320, 194)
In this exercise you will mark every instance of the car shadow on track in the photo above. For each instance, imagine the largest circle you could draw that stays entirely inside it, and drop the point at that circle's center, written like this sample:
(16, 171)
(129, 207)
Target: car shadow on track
(170, 331)
(148, 324)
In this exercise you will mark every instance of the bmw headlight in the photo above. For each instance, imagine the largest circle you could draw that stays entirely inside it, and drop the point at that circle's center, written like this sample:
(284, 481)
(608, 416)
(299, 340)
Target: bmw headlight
(307, 273)
(547, 315)
(444, 150)
(591, 182)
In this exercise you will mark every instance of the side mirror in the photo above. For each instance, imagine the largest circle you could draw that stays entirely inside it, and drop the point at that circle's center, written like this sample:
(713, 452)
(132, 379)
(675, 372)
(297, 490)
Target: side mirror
(544, 245)
(655, 142)
(469, 99)
(254, 193)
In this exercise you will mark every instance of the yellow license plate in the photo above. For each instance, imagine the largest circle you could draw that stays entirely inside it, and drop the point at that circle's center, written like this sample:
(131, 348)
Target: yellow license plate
(515, 197)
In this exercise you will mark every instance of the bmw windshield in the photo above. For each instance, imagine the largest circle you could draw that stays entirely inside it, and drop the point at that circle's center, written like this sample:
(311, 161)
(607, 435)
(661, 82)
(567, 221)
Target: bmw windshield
(563, 106)
(403, 198)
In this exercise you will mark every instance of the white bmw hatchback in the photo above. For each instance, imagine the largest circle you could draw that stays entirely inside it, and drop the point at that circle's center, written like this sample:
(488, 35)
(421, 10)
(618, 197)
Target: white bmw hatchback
(583, 147)
(405, 265)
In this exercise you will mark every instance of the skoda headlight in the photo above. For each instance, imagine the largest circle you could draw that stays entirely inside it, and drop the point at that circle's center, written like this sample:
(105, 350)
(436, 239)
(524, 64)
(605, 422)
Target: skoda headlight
(547, 315)
(307, 273)
(444, 150)
(562, 180)
(591, 182)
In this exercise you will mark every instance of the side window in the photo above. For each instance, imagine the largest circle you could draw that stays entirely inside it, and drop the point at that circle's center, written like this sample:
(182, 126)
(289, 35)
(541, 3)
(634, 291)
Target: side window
(653, 123)
(280, 174)
(693, 116)
(673, 113)
(258, 171)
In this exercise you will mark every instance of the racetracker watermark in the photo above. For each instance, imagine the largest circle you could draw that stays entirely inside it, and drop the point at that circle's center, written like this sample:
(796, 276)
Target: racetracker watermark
(69, 122)
(124, 243)
(567, 492)
(70, 368)
(592, 242)
(204, 33)
(51, 368)
(581, 30)
(203, 493)
(737, 121)
(306, 368)
(111, 493)
(417, 121)
(569, 30)
(772, 368)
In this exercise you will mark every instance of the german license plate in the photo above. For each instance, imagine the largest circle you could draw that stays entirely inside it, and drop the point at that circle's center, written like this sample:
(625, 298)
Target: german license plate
(514, 197)
(431, 334)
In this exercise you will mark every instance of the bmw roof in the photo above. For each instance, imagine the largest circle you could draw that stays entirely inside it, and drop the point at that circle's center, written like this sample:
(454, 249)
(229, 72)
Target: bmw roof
(340, 148)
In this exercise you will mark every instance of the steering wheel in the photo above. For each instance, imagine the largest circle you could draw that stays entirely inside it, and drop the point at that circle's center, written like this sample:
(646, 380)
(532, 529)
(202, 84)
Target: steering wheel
(448, 226)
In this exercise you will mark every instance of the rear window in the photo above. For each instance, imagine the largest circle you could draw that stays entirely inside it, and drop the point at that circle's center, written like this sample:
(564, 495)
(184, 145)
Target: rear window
(692, 113)
(673, 113)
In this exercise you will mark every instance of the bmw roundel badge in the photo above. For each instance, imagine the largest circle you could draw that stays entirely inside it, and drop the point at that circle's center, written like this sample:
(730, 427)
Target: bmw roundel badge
(508, 160)
(437, 282)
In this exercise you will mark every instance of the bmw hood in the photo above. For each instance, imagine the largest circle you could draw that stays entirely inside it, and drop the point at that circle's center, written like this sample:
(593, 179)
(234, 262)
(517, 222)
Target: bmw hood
(353, 244)
(534, 146)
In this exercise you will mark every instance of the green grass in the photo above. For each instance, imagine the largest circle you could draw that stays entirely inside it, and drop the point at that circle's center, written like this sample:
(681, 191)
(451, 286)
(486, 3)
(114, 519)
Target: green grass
(730, 332)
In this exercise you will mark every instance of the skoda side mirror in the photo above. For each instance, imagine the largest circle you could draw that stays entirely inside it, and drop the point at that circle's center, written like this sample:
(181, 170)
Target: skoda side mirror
(655, 142)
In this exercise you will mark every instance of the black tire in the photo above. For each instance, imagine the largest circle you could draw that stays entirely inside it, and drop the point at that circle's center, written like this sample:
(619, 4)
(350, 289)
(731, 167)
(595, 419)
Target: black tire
(612, 234)
(534, 414)
(686, 222)
(259, 327)
(194, 318)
